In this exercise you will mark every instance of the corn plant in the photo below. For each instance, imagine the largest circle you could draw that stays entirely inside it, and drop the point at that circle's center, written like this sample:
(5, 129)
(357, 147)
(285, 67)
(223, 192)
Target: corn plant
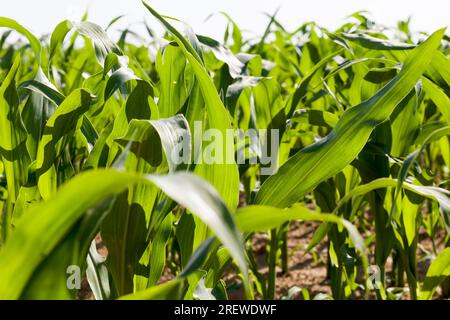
(349, 128)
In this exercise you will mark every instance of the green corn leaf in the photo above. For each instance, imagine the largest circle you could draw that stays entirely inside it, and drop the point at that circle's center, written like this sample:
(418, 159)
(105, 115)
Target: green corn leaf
(171, 290)
(102, 43)
(305, 170)
(34, 42)
(261, 218)
(204, 201)
(411, 158)
(13, 150)
(117, 80)
(439, 70)
(315, 117)
(61, 125)
(182, 41)
(437, 272)
(224, 177)
(171, 66)
(438, 96)
(374, 43)
(149, 147)
(198, 257)
(171, 131)
(42, 227)
(43, 87)
(58, 35)
(135, 142)
(59, 274)
(405, 124)
(224, 54)
(440, 195)
(158, 250)
(304, 84)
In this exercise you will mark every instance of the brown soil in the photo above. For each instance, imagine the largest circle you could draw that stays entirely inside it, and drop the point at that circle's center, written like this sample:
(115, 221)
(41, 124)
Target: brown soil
(309, 271)
(305, 270)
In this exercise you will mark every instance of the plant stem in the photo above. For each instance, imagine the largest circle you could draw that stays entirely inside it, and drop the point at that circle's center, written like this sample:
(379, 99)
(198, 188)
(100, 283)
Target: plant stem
(272, 276)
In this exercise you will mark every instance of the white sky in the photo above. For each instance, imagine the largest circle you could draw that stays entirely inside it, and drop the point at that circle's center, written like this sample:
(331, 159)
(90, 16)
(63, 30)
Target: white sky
(41, 16)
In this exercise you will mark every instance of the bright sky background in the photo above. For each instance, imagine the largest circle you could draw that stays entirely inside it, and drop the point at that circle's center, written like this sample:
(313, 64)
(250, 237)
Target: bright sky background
(41, 16)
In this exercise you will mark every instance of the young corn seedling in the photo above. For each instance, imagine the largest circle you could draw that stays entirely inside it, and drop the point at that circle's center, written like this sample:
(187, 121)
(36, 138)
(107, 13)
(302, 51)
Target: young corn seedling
(176, 153)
